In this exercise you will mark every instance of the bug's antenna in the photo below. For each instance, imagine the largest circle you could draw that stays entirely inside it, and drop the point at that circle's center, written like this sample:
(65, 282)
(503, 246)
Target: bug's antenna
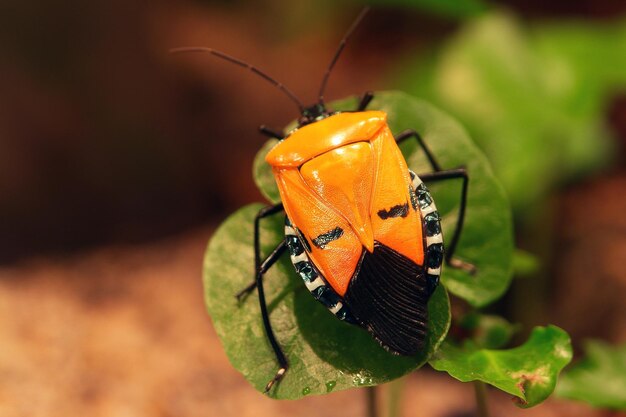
(342, 44)
(244, 64)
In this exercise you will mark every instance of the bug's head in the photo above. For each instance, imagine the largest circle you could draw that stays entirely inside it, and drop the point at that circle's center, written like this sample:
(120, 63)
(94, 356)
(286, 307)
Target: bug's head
(313, 113)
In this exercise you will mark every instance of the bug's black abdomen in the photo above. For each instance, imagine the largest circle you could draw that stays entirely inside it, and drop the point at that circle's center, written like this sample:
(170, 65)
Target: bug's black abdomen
(388, 295)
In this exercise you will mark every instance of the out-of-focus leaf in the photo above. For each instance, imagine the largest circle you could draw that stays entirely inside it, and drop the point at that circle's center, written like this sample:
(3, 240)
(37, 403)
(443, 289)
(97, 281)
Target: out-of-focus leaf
(488, 331)
(599, 378)
(582, 69)
(530, 98)
(528, 372)
(487, 239)
(324, 353)
(524, 263)
(448, 8)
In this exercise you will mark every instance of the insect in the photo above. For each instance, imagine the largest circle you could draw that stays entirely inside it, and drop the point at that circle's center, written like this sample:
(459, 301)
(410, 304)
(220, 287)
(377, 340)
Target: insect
(361, 229)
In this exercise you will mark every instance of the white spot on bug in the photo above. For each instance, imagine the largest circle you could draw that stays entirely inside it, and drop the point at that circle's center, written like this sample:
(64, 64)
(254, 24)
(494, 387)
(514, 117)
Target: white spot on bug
(433, 271)
(336, 308)
(299, 258)
(434, 239)
(416, 180)
(315, 284)
(428, 209)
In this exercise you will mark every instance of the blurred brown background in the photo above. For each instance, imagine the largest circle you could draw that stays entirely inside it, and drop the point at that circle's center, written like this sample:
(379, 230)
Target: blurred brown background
(118, 160)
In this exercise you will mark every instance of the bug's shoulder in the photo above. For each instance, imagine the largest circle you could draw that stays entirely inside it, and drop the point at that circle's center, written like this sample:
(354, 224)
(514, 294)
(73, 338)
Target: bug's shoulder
(324, 135)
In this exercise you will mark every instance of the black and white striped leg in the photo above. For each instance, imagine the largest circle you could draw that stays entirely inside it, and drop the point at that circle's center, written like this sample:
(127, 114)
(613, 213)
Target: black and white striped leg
(409, 133)
(280, 356)
(271, 132)
(264, 212)
(365, 100)
(459, 173)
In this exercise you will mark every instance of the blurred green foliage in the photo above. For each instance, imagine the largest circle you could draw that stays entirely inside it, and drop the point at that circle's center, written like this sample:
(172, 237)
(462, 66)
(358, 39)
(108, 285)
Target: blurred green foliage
(488, 331)
(524, 263)
(599, 378)
(534, 98)
(447, 8)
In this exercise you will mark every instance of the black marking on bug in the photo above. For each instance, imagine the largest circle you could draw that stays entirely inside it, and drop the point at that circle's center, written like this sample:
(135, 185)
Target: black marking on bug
(432, 223)
(325, 295)
(388, 295)
(432, 282)
(345, 315)
(306, 271)
(325, 238)
(294, 245)
(423, 196)
(400, 210)
(434, 255)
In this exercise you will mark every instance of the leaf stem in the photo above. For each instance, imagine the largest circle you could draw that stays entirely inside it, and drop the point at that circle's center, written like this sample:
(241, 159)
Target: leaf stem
(480, 390)
(396, 388)
(370, 399)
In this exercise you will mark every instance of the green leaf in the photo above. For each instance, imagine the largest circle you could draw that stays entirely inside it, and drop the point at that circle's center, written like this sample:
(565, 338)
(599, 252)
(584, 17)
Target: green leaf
(528, 372)
(487, 239)
(533, 98)
(599, 379)
(449, 8)
(262, 173)
(488, 331)
(324, 353)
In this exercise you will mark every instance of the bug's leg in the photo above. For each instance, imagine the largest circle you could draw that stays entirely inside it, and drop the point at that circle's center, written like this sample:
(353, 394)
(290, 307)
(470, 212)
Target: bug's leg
(280, 356)
(459, 173)
(271, 132)
(241, 295)
(260, 269)
(365, 100)
(409, 133)
(264, 212)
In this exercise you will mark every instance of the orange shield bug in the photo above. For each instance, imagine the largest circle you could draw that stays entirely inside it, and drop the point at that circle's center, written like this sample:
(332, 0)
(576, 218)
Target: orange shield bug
(361, 229)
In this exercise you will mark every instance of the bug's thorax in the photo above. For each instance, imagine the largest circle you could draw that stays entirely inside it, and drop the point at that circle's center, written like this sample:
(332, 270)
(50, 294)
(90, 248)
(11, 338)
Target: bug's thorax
(324, 135)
